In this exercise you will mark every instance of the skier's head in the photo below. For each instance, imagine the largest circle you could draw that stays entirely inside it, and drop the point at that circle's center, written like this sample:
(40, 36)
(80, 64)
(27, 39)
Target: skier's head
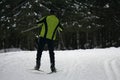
(53, 12)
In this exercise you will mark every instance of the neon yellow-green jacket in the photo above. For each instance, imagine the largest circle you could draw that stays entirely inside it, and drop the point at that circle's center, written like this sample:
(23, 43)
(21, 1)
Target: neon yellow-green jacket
(50, 25)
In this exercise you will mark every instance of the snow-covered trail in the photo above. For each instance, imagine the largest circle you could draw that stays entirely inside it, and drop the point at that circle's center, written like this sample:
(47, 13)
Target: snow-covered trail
(112, 69)
(94, 64)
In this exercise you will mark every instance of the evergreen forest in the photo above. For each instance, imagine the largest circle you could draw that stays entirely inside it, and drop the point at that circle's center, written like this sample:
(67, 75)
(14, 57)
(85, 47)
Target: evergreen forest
(87, 23)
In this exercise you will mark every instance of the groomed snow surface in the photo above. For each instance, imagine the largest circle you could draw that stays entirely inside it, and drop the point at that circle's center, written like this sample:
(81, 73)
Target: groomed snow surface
(90, 64)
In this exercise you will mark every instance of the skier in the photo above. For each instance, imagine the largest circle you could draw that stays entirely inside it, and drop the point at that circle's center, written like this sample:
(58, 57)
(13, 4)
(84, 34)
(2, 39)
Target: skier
(50, 25)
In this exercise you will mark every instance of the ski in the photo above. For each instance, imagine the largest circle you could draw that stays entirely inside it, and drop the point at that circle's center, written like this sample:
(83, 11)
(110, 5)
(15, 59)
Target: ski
(43, 72)
(37, 71)
(52, 72)
(46, 72)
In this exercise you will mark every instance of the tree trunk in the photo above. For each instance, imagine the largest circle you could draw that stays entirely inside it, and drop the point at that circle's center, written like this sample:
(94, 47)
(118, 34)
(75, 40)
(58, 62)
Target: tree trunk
(78, 41)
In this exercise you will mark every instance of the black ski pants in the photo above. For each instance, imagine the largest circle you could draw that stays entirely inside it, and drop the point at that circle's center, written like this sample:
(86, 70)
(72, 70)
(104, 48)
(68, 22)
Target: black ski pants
(41, 44)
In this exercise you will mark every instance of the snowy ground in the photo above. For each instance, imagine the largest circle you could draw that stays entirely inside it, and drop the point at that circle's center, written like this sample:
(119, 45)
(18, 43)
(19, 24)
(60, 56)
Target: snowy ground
(94, 64)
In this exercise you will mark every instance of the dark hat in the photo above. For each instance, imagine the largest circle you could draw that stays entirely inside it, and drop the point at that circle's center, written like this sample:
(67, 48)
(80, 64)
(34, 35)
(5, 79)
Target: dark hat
(52, 11)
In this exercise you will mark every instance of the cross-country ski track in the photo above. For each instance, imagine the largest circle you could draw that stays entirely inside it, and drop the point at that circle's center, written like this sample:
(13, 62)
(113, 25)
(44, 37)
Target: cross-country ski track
(89, 64)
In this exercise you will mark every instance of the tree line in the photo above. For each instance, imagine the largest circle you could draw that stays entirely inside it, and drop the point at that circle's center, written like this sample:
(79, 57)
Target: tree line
(87, 23)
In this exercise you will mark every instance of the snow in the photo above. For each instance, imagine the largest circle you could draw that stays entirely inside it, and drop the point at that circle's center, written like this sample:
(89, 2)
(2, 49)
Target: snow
(10, 50)
(90, 64)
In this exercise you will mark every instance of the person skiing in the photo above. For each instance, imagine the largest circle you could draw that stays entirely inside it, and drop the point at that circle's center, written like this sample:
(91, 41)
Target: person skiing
(50, 25)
